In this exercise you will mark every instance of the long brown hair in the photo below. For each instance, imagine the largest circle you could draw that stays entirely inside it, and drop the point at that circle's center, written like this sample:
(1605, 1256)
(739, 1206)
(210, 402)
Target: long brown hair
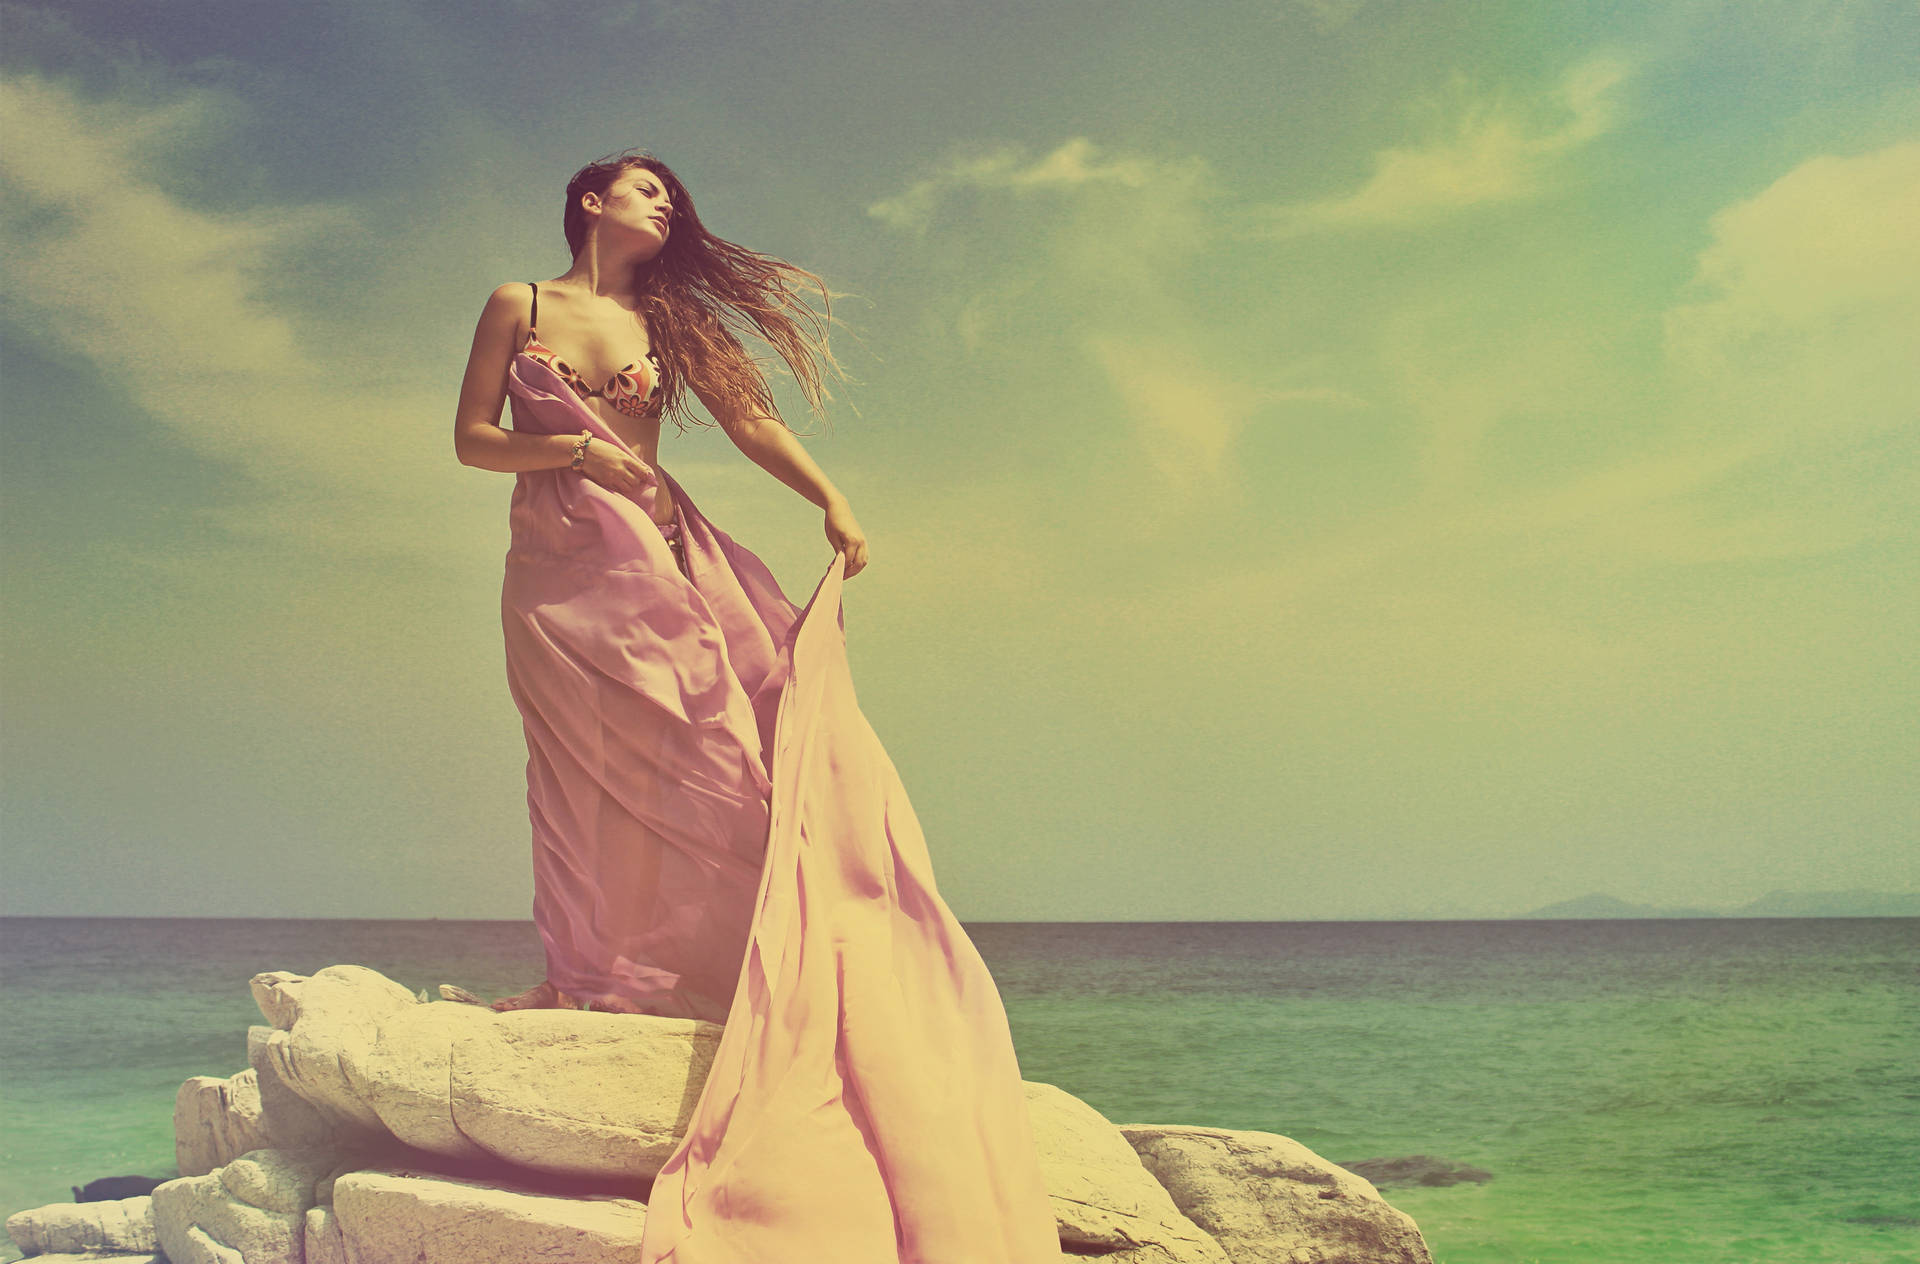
(701, 292)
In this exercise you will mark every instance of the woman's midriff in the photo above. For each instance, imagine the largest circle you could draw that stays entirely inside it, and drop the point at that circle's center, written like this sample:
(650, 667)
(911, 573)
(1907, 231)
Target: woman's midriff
(643, 440)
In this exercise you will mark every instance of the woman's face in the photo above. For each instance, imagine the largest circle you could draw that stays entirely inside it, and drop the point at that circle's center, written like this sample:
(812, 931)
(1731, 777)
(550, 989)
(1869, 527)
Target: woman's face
(637, 200)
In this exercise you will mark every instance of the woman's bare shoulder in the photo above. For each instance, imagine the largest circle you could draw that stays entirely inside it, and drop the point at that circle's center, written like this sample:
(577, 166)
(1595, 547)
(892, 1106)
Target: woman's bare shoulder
(509, 307)
(511, 294)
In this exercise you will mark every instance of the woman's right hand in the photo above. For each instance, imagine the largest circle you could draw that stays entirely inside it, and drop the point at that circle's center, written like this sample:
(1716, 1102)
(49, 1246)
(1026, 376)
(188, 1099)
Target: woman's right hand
(614, 468)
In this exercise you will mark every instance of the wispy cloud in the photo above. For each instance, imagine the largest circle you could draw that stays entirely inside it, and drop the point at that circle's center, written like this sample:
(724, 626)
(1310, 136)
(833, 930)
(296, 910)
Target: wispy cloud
(1117, 236)
(1076, 163)
(1489, 149)
(1189, 409)
(171, 302)
(1792, 357)
(159, 295)
(1188, 414)
(156, 292)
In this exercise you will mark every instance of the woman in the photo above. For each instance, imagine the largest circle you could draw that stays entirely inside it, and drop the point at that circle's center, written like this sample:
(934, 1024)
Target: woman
(717, 831)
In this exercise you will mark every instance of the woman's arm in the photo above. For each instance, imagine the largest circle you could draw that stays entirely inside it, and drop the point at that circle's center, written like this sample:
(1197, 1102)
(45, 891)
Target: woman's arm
(778, 451)
(773, 448)
(478, 438)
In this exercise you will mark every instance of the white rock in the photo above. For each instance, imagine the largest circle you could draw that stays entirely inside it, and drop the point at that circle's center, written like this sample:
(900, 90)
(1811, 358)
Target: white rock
(572, 1093)
(276, 1180)
(215, 1120)
(1102, 1195)
(1270, 1200)
(290, 1120)
(196, 1246)
(580, 1093)
(325, 1026)
(395, 1216)
(98, 1257)
(325, 1243)
(120, 1224)
(209, 1219)
(359, 1061)
(405, 1076)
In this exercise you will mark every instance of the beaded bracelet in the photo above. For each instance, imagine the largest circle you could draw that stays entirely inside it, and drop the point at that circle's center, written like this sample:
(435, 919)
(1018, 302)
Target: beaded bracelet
(580, 448)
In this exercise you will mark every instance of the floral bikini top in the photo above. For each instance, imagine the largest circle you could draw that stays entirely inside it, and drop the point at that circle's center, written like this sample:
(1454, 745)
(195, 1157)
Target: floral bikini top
(622, 389)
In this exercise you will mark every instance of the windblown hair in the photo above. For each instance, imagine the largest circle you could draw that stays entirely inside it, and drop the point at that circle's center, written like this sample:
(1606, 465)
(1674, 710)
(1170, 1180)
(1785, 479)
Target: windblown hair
(702, 292)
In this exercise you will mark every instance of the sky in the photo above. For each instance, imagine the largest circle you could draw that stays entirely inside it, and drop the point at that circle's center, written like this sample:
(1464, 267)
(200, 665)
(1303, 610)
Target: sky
(1321, 459)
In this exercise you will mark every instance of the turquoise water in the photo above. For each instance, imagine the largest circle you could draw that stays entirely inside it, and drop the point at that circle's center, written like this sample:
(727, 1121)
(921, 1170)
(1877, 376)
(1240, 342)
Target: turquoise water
(1674, 1091)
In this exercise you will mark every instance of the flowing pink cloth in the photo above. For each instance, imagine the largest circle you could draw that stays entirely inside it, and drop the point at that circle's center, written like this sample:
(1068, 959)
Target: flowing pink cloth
(719, 833)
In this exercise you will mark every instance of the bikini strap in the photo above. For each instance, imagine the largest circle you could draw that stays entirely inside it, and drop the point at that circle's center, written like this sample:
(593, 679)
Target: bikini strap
(533, 317)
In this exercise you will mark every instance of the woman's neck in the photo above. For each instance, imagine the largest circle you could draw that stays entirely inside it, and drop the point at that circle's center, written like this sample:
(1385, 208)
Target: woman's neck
(611, 278)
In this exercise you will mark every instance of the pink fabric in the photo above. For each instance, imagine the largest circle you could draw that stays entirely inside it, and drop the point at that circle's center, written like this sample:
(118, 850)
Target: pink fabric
(718, 833)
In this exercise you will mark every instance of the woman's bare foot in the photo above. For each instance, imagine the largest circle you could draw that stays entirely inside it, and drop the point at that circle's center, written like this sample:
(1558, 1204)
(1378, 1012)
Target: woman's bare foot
(620, 1005)
(542, 995)
(539, 996)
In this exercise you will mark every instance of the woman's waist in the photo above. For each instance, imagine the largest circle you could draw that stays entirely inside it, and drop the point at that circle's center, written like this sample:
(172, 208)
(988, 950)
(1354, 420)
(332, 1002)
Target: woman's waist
(640, 436)
(543, 519)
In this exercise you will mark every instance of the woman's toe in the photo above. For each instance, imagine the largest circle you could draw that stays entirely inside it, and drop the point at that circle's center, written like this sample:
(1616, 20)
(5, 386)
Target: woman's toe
(533, 998)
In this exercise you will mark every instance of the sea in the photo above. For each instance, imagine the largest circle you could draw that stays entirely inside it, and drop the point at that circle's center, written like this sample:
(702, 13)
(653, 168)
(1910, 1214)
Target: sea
(1744, 1091)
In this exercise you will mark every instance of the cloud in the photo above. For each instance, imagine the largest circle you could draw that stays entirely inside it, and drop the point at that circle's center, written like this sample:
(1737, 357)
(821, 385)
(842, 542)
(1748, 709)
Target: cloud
(1763, 439)
(1188, 412)
(1825, 253)
(1076, 163)
(1120, 247)
(159, 295)
(1796, 347)
(1491, 150)
(1188, 415)
(171, 302)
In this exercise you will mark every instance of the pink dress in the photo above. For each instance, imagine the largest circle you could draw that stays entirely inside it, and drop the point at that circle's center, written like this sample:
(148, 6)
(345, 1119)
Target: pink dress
(718, 833)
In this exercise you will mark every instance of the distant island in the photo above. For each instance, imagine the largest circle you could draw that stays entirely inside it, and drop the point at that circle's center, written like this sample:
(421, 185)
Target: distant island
(1772, 904)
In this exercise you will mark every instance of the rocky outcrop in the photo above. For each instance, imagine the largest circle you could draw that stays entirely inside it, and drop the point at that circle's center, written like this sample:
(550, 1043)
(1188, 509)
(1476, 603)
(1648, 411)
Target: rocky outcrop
(1267, 1199)
(567, 1092)
(121, 1225)
(252, 1209)
(100, 1257)
(1103, 1198)
(372, 1125)
(444, 1220)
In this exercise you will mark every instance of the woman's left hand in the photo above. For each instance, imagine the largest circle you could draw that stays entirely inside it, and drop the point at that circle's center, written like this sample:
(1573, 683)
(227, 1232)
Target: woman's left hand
(845, 535)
